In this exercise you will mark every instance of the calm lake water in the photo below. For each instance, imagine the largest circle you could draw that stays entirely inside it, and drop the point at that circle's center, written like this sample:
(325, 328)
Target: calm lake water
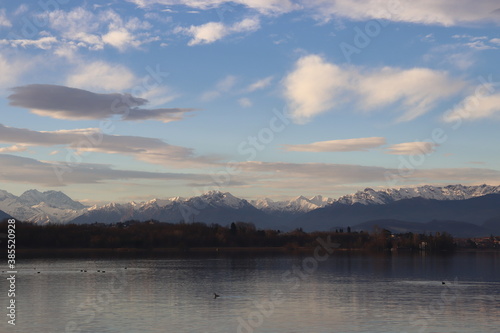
(264, 293)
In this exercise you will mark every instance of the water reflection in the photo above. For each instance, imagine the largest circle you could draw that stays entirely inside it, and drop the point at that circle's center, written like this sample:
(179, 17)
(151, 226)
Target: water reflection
(346, 293)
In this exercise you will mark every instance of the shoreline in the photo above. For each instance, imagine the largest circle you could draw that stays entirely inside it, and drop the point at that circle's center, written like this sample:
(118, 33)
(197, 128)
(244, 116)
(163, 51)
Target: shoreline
(124, 252)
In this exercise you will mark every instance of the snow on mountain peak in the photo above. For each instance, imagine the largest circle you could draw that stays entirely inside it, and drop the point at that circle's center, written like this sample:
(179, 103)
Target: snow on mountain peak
(450, 192)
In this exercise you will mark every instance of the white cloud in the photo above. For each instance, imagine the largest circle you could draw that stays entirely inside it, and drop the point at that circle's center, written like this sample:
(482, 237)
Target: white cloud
(269, 7)
(206, 33)
(13, 149)
(95, 30)
(4, 21)
(11, 70)
(428, 12)
(417, 89)
(359, 144)
(213, 31)
(474, 108)
(120, 38)
(101, 75)
(44, 43)
(260, 84)
(412, 148)
(223, 86)
(316, 86)
(495, 41)
(245, 102)
(313, 87)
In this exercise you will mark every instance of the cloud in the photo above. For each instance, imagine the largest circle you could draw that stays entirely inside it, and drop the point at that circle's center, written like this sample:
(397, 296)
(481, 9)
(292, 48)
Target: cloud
(213, 31)
(360, 144)
(4, 21)
(87, 140)
(10, 70)
(283, 176)
(427, 12)
(412, 148)
(101, 75)
(495, 41)
(475, 107)
(31, 171)
(221, 87)
(260, 84)
(245, 102)
(315, 86)
(268, 7)
(44, 43)
(13, 149)
(95, 30)
(326, 172)
(62, 102)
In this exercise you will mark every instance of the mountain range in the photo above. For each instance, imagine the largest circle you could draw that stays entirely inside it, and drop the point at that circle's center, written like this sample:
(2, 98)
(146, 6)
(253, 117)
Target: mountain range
(459, 209)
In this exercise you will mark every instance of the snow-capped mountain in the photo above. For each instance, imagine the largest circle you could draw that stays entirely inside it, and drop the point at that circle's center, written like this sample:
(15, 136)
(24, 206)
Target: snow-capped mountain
(50, 198)
(41, 207)
(451, 192)
(221, 207)
(298, 204)
(211, 207)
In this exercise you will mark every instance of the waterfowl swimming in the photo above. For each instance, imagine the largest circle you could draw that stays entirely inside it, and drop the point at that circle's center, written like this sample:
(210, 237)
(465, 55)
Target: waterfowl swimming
(215, 295)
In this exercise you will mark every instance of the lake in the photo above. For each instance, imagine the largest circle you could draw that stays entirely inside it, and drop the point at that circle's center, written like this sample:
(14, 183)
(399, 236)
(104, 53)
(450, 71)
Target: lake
(336, 292)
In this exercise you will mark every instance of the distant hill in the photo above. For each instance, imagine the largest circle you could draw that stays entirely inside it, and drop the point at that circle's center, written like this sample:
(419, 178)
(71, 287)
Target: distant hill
(455, 228)
(476, 211)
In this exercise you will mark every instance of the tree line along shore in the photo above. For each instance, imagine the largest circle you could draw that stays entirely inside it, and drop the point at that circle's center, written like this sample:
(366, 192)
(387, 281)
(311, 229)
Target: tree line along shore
(150, 235)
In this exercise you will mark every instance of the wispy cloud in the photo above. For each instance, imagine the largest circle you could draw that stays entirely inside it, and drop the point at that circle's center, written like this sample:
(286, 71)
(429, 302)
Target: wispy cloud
(269, 7)
(4, 21)
(412, 148)
(221, 87)
(43, 43)
(95, 30)
(213, 31)
(474, 108)
(437, 12)
(82, 141)
(71, 103)
(13, 149)
(11, 70)
(101, 75)
(260, 84)
(346, 145)
(315, 86)
(31, 171)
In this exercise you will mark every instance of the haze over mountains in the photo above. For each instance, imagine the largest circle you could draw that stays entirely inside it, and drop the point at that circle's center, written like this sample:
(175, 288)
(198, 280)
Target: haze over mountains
(464, 211)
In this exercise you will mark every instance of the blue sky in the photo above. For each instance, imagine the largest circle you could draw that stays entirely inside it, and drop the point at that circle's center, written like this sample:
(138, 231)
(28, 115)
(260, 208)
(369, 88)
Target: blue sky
(131, 100)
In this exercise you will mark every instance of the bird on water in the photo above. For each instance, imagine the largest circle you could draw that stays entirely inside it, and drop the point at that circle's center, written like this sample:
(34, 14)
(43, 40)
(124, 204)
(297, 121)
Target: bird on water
(215, 295)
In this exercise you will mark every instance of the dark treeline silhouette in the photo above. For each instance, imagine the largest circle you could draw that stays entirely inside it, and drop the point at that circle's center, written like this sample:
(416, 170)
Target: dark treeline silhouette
(153, 234)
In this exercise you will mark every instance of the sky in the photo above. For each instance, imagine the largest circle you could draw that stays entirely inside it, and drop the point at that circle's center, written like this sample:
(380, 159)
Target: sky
(141, 99)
